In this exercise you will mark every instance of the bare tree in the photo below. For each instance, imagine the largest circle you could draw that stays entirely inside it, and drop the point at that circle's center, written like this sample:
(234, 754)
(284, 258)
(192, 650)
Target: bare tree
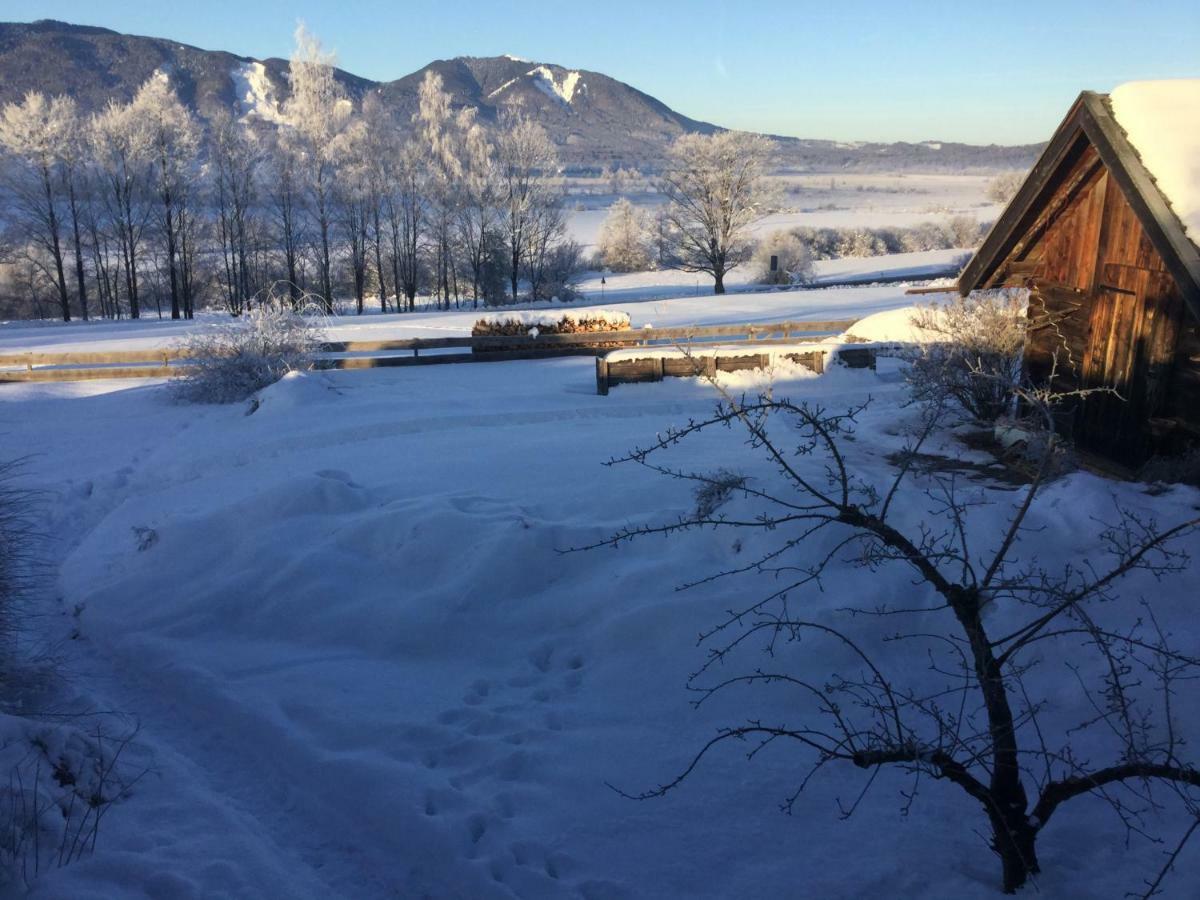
(120, 148)
(405, 207)
(174, 148)
(236, 158)
(30, 135)
(477, 212)
(545, 240)
(73, 157)
(716, 188)
(968, 704)
(526, 161)
(284, 181)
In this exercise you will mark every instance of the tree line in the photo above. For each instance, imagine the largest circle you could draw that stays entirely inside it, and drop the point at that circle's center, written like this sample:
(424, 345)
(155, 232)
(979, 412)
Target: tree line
(143, 207)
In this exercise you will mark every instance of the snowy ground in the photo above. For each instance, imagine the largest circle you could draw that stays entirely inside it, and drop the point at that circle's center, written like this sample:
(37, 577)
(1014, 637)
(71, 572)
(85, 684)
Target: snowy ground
(363, 669)
(640, 294)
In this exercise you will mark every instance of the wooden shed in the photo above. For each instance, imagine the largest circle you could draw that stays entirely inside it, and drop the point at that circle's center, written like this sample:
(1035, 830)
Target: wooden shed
(1104, 234)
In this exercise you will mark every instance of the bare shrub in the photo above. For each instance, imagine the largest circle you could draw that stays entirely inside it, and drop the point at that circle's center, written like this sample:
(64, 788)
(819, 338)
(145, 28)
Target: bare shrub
(794, 260)
(563, 268)
(1004, 186)
(1024, 681)
(975, 361)
(231, 361)
(715, 491)
(63, 779)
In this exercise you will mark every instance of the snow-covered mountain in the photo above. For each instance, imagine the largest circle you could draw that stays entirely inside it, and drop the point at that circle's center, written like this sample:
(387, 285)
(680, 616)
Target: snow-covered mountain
(595, 120)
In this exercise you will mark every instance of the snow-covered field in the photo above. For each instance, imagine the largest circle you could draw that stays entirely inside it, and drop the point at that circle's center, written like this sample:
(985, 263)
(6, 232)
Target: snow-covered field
(363, 669)
(835, 201)
(641, 295)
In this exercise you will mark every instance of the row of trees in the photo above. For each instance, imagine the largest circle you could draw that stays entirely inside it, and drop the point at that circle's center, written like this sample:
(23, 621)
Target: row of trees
(329, 199)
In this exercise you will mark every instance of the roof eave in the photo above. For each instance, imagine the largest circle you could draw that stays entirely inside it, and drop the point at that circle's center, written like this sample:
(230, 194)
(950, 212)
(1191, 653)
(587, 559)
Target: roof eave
(1003, 234)
(1090, 117)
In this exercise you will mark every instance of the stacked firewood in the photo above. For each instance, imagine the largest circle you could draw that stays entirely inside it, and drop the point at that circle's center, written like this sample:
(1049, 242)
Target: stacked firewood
(533, 327)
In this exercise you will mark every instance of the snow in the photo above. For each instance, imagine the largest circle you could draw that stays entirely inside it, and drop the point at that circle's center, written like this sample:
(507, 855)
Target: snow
(545, 80)
(1162, 120)
(705, 350)
(853, 200)
(363, 669)
(665, 298)
(893, 326)
(255, 93)
(503, 87)
(564, 91)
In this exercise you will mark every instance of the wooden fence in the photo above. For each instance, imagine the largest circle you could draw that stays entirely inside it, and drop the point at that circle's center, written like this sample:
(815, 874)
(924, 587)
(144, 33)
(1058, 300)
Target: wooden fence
(161, 363)
(657, 366)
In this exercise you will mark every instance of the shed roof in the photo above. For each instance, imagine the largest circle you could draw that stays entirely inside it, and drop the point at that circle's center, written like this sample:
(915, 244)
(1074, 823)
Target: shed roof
(1159, 175)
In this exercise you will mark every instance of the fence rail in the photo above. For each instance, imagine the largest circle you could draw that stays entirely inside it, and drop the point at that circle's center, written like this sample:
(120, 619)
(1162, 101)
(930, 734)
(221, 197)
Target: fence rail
(163, 362)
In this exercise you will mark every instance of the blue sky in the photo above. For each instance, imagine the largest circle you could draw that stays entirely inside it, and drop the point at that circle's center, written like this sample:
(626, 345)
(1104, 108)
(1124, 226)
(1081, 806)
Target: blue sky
(981, 72)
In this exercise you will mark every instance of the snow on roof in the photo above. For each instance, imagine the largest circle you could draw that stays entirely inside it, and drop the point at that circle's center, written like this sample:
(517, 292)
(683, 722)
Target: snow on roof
(1162, 121)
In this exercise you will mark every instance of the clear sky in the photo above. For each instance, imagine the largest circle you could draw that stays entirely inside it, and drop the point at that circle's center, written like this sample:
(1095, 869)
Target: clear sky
(979, 71)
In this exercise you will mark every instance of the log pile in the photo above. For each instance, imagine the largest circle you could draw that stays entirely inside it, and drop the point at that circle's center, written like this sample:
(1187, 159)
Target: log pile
(527, 326)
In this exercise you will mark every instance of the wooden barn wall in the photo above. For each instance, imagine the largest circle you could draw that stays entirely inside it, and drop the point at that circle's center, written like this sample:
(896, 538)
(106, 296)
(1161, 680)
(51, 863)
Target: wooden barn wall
(1105, 303)
(1061, 255)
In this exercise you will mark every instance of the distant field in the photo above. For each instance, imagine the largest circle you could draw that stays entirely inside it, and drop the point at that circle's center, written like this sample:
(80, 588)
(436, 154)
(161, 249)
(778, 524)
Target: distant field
(820, 200)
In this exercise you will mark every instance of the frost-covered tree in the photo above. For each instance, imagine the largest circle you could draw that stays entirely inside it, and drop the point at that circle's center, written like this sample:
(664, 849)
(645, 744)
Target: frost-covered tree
(236, 157)
(316, 114)
(527, 161)
(352, 201)
(716, 188)
(173, 138)
(406, 211)
(437, 131)
(74, 158)
(378, 145)
(121, 148)
(31, 133)
(286, 203)
(477, 212)
(624, 244)
(1004, 186)
(793, 260)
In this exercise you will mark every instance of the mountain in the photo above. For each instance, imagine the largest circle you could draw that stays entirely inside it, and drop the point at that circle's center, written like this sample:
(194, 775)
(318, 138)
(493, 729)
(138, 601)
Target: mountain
(594, 119)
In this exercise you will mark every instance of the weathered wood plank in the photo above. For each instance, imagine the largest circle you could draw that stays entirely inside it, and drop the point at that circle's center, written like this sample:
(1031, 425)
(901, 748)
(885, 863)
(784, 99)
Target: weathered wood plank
(83, 374)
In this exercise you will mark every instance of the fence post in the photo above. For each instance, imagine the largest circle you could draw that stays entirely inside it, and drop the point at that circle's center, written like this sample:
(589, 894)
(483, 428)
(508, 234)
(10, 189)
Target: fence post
(601, 376)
